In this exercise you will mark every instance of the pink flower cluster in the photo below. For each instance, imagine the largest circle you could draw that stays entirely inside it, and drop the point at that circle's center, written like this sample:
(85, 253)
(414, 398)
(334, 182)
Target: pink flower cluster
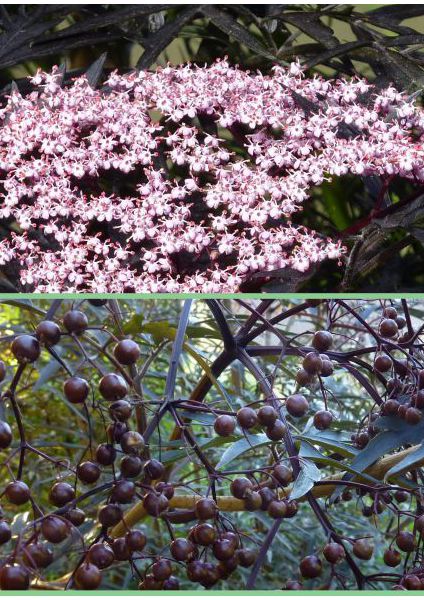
(185, 179)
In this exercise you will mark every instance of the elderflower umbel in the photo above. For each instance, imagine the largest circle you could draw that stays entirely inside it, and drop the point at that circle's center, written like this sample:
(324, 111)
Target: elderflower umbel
(138, 187)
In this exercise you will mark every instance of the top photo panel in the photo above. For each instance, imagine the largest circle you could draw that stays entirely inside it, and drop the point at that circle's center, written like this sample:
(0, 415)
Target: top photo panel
(211, 148)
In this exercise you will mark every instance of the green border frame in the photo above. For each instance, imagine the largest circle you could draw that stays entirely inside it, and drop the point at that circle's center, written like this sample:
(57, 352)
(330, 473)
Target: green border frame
(166, 296)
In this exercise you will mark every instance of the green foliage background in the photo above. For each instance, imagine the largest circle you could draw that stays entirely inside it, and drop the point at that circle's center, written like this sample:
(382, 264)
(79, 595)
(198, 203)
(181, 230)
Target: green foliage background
(65, 431)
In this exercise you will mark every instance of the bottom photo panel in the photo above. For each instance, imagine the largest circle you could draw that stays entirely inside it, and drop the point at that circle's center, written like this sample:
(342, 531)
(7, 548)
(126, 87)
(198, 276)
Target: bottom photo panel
(236, 444)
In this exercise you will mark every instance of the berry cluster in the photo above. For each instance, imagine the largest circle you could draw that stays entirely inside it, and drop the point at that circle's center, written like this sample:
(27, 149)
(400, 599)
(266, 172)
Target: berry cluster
(94, 503)
(186, 179)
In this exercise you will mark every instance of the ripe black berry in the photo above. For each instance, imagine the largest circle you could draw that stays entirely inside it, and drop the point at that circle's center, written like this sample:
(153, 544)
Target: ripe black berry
(110, 515)
(388, 328)
(17, 492)
(223, 549)
(297, 405)
(206, 508)
(247, 417)
(5, 435)
(240, 486)
(283, 474)
(75, 322)
(154, 469)
(76, 516)
(205, 534)
(312, 363)
(87, 577)
(25, 348)
(246, 557)
(54, 529)
(390, 312)
(182, 549)
(61, 493)
(276, 431)
(14, 577)
(121, 549)
(113, 387)
(100, 555)
(120, 410)
(363, 549)
(413, 415)
(323, 419)
(333, 552)
(405, 541)
(105, 454)
(322, 341)
(224, 425)
(135, 540)
(37, 555)
(48, 332)
(155, 504)
(267, 415)
(131, 466)
(123, 491)
(162, 569)
(392, 557)
(310, 566)
(5, 532)
(277, 509)
(88, 472)
(127, 352)
(76, 390)
(132, 442)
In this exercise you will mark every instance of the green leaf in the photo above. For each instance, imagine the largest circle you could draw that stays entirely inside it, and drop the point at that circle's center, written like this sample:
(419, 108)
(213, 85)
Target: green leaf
(331, 440)
(309, 474)
(171, 456)
(242, 446)
(407, 463)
